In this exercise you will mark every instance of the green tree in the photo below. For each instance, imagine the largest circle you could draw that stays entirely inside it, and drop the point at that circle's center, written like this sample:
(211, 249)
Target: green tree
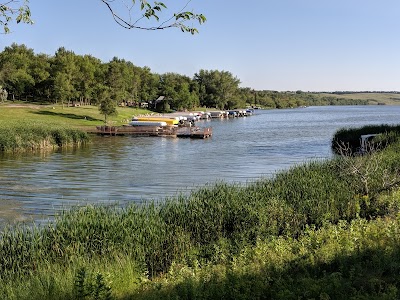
(149, 84)
(15, 75)
(40, 72)
(107, 106)
(90, 72)
(62, 88)
(65, 75)
(217, 88)
(180, 89)
(119, 78)
(228, 90)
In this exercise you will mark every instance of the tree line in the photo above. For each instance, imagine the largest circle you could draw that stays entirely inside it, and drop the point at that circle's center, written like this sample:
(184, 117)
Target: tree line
(66, 77)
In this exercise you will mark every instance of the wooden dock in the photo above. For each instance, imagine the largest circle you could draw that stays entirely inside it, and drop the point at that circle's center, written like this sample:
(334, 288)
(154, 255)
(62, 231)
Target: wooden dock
(170, 131)
(125, 130)
(194, 132)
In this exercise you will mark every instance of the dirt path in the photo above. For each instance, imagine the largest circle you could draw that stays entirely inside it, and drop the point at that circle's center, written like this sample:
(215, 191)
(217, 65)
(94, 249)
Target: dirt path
(33, 106)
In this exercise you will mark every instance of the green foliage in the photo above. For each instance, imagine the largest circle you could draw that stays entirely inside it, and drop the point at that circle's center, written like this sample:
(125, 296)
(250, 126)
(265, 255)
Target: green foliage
(89, 286)
(13, 11)
(347, 140)
(152, 12)
(16, 73)
(107, 106)
(349, 260)
(180, 89)
(217, 88)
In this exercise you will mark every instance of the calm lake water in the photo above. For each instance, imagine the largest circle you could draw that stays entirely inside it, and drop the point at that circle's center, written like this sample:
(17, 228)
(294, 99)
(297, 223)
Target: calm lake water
(137, 169)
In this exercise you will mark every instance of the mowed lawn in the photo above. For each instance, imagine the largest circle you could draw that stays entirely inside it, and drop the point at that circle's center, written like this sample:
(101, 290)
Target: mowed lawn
(73, 116)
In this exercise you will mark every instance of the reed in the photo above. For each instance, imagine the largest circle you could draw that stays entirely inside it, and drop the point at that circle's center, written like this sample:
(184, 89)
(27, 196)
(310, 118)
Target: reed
(28, 136)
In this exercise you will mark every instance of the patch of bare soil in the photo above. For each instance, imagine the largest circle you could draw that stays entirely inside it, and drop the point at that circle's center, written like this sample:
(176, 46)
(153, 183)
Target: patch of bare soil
(33, 106)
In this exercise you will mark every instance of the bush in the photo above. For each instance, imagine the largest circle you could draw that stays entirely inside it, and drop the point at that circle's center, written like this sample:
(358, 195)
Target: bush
(347, 140)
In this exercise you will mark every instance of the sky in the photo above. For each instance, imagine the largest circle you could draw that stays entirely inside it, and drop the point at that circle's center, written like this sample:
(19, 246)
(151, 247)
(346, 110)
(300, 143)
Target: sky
(283, 45)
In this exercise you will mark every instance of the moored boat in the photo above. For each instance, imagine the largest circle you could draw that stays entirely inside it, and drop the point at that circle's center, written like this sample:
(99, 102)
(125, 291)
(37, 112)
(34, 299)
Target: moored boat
(169, 121)
(148, 123)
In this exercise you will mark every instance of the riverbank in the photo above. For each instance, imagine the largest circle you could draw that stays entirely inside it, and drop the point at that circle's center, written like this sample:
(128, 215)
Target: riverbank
(318, 230)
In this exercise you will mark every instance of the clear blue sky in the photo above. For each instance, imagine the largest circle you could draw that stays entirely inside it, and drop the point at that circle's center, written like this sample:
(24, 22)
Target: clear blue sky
(309, 45)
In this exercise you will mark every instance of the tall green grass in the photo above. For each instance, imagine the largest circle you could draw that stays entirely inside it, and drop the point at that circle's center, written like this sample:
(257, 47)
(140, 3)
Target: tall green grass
(26, 136)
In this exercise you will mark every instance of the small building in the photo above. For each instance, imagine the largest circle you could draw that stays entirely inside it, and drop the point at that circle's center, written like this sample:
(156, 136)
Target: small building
(161, 104)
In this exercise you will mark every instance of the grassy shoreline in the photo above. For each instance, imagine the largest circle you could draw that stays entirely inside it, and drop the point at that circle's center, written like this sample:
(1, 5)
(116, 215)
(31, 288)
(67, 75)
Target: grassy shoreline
(32, 127)
(33, 136)
(315, 231)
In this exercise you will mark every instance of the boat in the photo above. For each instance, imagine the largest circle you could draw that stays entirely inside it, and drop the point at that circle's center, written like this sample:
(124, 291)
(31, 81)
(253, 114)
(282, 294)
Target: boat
(148, 123)
(170, 122)
(216, 114)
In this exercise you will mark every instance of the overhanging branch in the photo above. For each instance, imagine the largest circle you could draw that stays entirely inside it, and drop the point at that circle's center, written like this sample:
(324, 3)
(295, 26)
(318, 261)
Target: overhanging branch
(151, 12)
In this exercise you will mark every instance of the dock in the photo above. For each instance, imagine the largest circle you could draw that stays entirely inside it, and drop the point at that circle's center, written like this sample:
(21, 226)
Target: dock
(168, 131)
(194, 132)
(124, 130)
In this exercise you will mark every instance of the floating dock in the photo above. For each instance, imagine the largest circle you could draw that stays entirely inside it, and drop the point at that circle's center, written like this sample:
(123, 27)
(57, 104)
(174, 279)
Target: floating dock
(194, 132)
(171, 131)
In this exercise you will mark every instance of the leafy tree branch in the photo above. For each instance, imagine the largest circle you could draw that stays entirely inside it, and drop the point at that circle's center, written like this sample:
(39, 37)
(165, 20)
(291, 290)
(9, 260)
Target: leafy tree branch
(13, 10)
(152, 12)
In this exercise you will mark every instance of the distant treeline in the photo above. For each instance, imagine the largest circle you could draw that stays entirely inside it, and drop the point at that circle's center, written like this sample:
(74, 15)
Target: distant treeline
(70, 78)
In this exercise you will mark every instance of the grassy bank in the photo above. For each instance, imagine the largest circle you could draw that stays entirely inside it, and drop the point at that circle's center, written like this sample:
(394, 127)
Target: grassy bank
(31, 136)
(322, 230)
(25, 127)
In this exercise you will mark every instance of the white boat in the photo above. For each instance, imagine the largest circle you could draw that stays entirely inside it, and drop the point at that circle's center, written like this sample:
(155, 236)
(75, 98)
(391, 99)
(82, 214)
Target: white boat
(148, 123)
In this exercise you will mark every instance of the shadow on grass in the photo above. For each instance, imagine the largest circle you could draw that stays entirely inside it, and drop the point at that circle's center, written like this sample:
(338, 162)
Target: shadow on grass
(66, 115)
(370, 274)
